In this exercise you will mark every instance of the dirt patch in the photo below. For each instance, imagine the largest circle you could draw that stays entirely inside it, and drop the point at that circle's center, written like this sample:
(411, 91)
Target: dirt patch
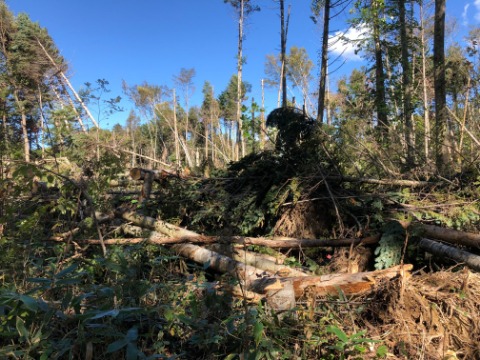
(429, 316)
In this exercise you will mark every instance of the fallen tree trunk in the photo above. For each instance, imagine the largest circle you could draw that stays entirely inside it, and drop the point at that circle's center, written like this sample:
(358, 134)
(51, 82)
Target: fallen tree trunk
(256, 260)
(157, 175)
(158, 225)
(220, 263)
(447, 235)
(160, 239)
(176, 234)
(452, 236)
(446, 251)
(392, 182)
(292, 243)
(332, 284)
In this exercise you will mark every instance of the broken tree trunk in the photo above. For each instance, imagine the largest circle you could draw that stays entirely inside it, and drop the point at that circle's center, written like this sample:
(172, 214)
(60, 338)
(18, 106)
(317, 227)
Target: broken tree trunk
(446, 251)
(332, 284)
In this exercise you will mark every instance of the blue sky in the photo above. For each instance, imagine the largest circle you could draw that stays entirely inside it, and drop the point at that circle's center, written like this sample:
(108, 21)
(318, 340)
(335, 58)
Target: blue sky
(151, 40)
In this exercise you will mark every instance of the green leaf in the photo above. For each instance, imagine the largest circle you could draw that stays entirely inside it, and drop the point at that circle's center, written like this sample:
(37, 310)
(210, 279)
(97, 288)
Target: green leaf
(113, 313)
(132, 352)
(22, 330)
(338, 332)
(66, 271)
(382, 351)
(29, 302)
(117, 345)
(132, 334)
(258, 332)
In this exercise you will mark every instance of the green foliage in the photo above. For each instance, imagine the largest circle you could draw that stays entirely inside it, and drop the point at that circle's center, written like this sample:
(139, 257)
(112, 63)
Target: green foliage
(348, 346)
(389, 250)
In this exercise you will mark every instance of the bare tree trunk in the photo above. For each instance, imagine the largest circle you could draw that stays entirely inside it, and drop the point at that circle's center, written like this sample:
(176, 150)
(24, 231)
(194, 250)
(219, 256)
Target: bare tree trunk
(42, 123)
(323, 70)
(283, 56)
(240, 141)
(263, 128)
(439, 83)
(23, 124)
(426, 110)
(407, 87)
(175, 130)
(380, 98)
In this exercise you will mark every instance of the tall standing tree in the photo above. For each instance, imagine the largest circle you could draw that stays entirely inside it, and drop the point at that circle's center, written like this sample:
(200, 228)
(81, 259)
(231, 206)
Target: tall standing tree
(209, 114)
(407, 85)
(439, 82)
(26, 68)
(243, 8)
(299, 71)
(184, 81)
(283, 51)
(376, 8)
(317, 6)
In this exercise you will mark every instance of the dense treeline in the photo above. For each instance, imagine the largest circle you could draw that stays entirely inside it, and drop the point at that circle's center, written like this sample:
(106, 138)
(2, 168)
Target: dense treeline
(389, 112)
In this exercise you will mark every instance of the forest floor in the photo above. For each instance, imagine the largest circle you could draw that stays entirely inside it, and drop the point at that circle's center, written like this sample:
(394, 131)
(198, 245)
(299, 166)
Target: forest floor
(62, 297)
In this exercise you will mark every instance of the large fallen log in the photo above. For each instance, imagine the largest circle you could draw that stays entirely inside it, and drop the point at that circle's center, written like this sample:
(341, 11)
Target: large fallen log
(331, 284)
(451, 236)
(446, 251)
(266, 283)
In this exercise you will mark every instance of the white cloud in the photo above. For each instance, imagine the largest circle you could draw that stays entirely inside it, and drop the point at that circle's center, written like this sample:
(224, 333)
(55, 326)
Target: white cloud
(477, 6)
(344, 43)
(464, 14)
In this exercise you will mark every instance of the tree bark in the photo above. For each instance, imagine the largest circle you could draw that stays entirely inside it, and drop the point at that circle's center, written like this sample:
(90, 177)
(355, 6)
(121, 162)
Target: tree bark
(442, 250)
